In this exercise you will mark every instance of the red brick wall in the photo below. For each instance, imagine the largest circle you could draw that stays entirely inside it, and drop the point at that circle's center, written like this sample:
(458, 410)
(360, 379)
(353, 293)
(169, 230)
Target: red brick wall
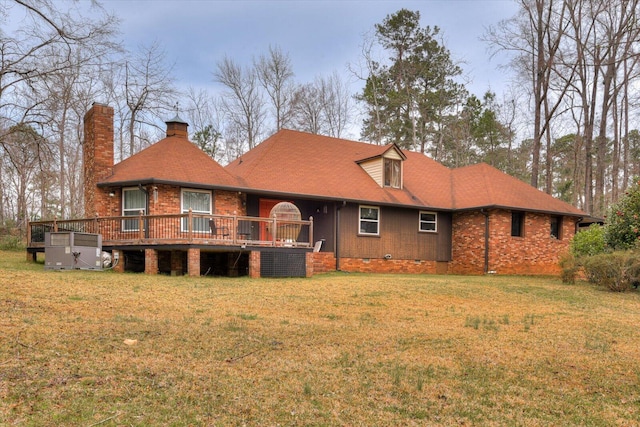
(467, 247)
(97, 158)
(377, 265)
(323, 262)
(193, 262)
(230, 203)
(150, 261)
(535, 253)
(254, 264)
(169, 202)
(309, 264)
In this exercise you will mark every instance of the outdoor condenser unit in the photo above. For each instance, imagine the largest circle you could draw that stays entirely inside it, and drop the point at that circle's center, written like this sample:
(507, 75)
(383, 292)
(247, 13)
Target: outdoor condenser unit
(70, 250)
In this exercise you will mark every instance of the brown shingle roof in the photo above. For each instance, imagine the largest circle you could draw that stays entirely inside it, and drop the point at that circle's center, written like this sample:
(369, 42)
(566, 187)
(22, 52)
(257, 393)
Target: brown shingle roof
(306, 165)
(482, 185)
(172, 160)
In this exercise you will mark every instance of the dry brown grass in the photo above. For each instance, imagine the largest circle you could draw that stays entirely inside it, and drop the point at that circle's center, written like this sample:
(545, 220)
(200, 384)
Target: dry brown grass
(336, 349)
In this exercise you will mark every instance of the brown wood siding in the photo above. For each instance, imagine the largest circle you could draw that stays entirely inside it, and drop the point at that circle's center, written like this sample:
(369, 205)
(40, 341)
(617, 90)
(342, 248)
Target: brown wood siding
(399, 236)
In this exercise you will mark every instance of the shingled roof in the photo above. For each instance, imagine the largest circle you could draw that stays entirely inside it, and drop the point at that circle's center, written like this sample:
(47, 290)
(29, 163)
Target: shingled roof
(172, 160)
(292, 163)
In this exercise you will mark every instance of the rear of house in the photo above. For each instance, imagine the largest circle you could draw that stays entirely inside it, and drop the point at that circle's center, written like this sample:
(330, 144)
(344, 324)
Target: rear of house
(361, 207)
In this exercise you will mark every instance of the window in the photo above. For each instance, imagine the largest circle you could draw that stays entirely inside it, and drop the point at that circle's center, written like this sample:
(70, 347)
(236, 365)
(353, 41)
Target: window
(134, 200)
(427, 221)
(369, 220)
(392, 173)
(517, 224)
(200, 203)
(556, 227)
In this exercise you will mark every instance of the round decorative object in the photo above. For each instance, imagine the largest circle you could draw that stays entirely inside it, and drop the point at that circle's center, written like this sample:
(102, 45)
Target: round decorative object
(284, 213)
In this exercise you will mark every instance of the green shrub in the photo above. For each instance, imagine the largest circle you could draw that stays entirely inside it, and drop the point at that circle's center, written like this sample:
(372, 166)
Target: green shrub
(617, 271)
(622, 230)
(588, 242)
(569, 266)
(11, 243)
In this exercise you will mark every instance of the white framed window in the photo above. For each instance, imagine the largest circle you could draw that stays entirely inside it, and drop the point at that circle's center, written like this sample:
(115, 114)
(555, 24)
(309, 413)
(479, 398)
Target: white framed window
(134, 200)
(369, 220)
(392, 173)
(428, 222)
(199, 201)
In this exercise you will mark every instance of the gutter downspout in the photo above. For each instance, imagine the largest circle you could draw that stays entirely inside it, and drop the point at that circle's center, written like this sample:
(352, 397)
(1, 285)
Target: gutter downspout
(337, 251)
(486, 239)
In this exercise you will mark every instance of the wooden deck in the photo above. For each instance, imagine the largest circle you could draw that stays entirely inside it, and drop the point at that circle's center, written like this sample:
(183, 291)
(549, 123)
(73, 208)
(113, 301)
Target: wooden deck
(181, 229)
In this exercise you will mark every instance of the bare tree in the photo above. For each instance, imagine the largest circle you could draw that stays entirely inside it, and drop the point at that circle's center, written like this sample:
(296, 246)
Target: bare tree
(275, 74)
(242, 101)
(203, 119)
(148, 89)
(309, 109)
(335, 99)
(535, 36)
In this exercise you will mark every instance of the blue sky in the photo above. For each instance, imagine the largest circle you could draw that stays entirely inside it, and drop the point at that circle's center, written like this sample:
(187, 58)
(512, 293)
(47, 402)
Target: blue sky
(320, 36)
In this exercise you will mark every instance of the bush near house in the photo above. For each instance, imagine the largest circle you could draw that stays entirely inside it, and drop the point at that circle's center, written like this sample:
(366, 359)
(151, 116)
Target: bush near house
(617, 271)
(622, 230)
(608, 254)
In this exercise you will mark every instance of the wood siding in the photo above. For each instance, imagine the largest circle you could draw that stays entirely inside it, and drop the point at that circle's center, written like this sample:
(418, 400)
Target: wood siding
(375, 169)
(399, 236)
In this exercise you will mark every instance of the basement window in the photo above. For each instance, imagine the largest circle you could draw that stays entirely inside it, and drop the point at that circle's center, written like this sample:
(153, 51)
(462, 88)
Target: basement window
(517, 224)
(369, 220)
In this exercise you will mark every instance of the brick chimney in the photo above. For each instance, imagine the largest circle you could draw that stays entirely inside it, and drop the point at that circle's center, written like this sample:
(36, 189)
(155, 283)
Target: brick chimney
(97, 157)
(177, 127)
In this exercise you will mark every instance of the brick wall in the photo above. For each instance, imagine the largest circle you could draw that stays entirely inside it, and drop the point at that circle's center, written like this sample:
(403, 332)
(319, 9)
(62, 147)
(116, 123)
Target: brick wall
(193, 262)
(97, 158)
(150, 261)
(377, 265)
(467, 246)
(230, 203)
(309, 264)
(254, 264)
(535, 253)
(323, 262)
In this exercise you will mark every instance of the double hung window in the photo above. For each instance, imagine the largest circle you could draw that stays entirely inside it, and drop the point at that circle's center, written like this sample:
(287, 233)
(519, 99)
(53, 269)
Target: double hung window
(369, 220)
(200, 203)
(134, 200)
(428, 221)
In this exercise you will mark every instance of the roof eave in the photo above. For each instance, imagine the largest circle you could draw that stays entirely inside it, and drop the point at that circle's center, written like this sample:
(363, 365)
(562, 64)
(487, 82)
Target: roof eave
(521, 209)
(155, 181)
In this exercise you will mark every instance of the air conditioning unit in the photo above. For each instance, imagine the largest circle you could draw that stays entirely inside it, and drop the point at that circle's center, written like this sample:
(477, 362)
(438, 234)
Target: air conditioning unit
(70, 250)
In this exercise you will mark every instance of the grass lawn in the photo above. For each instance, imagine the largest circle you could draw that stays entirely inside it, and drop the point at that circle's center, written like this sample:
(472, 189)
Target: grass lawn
(105, 349)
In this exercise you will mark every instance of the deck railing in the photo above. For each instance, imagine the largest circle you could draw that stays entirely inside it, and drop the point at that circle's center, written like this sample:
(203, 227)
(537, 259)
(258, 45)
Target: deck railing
(188, 228)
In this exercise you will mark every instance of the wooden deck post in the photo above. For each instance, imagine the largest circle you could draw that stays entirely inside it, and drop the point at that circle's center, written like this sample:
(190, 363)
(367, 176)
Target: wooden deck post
(140, 226)
(274, 234)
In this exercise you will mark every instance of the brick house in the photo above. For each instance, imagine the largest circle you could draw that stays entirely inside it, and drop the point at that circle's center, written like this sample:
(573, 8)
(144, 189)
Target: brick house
(383, 209)
(172, 209)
